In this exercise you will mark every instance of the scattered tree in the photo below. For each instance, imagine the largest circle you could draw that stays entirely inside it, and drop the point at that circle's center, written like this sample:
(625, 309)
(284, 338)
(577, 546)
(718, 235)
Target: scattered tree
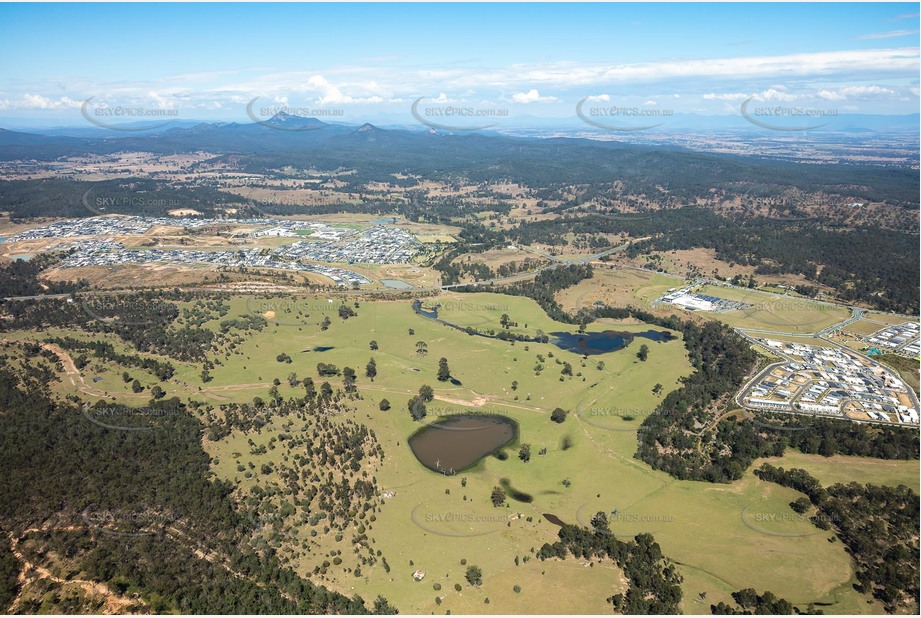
(474, 575)
(643, 354)
(600, 522)
(348, 379)
(371, 369)
(524, 453)
(444, 373)
(426, 393)
(416, 407)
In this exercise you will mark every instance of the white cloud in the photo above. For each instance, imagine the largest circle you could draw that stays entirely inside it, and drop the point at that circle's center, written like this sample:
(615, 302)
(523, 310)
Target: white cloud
(856, 92)
(531, 96)
(905, 16)
(726, 96)
(777, 93)
(161, 102)
(729, 80)
(650, 102)
(888, 35)
(37, 101)
(328, 92)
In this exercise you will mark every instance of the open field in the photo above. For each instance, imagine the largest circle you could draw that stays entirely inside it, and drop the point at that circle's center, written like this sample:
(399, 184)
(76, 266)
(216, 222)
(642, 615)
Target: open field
(887, 318)
(496, 257)
(844, 469)
(862, 327)
(161, 275)
(619, 287)
(768, 312)
(435, 238)
(721, 535)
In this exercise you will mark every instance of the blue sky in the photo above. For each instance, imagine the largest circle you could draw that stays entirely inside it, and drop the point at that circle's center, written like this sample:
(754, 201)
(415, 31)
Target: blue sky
(373, 60)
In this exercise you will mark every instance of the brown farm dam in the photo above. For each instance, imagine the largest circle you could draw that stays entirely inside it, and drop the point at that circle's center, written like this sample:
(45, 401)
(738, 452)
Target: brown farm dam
(457, 442)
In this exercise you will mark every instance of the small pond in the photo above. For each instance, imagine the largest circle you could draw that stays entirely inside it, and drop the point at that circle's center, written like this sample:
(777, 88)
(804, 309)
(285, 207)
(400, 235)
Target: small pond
(453, 443)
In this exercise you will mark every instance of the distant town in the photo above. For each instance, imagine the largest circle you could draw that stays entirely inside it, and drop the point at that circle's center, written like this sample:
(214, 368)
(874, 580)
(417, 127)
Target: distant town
(379, 244)
(830, 382)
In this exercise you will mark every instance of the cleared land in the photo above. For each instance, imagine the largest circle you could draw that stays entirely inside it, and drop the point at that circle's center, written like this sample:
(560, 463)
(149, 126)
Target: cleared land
(770, 312)
(620, 287)
(722, 536)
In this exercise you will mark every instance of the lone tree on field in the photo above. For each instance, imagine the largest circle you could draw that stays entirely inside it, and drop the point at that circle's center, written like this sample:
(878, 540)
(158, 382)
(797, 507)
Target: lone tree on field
(371, 369)
(643, 354)
(417, 408)
(498, 496)
(558, 415)
(345, 312)
(422, 348)
(524, 453)
(600, 522)
(373, 345)
(426, 393)
(348, 379)
(384, 405)
(474, 575)
(444, 373)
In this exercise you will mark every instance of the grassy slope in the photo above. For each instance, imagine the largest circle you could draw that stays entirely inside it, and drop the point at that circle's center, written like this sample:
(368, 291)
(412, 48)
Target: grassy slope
(700, 525)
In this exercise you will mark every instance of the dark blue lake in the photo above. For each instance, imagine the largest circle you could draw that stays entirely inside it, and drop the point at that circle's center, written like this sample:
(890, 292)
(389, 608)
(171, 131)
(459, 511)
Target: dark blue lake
(586, 344)
(605, 341)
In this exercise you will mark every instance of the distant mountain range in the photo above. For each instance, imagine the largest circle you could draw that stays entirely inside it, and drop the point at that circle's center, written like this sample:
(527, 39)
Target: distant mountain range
(377, 154)
(855, 124)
